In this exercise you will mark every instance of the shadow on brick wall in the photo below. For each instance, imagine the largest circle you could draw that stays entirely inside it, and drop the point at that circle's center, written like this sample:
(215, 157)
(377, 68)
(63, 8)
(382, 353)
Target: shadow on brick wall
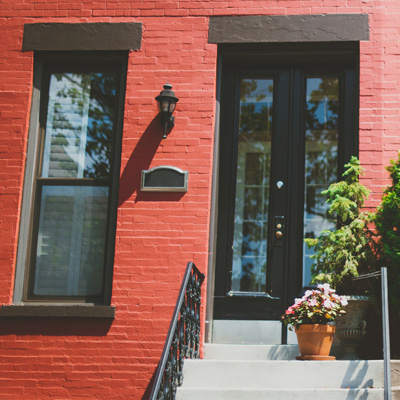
(140, 159)
(55, 326)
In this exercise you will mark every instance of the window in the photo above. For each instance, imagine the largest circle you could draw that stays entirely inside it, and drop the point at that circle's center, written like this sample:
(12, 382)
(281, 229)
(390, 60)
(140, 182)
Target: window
(74, 180)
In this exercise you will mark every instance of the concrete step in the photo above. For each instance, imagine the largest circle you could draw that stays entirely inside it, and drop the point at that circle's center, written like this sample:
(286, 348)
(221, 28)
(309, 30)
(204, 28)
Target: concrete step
(250, 352)
(258, 374)
(278, 394)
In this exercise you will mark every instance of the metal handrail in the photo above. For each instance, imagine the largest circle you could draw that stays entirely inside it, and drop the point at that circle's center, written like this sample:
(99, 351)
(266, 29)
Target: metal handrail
(386, 334)
(183, 339)
(385, 326)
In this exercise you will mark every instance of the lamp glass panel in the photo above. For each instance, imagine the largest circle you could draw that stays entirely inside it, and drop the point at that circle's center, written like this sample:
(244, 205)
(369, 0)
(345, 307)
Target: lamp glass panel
(172, 105)
(164, 105)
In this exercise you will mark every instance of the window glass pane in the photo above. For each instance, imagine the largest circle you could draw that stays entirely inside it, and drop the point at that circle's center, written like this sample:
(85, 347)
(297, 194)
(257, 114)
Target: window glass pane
(79, 127)
(252, 186)
(322, 133)
(71, 241)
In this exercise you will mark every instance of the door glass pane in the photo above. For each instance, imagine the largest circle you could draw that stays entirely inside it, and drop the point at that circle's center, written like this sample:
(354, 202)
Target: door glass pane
(252, 186)
(79, 127)
(322, 133)
(71, 241)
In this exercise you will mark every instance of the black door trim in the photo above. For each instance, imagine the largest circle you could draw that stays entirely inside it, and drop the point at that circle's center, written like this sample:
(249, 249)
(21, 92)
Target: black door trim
(274, 58)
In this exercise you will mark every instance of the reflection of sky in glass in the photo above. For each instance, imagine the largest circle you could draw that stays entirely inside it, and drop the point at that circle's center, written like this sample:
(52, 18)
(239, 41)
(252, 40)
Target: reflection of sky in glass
(322, 102)
(323, 113)
(258, 107)
(262, 93)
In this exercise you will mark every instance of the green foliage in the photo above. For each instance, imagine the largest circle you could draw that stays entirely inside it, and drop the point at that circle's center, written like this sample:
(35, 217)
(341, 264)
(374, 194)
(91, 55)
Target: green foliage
(340, 254)
(387, 222)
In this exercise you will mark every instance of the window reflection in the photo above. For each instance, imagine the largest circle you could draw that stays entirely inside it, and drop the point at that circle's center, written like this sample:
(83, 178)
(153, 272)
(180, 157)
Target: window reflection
(322, 133)
(72, 219)
(252, 186)
(71, 240)
(79, 128)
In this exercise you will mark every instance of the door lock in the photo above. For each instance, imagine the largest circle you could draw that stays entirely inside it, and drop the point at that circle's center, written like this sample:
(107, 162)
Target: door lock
(279, 227)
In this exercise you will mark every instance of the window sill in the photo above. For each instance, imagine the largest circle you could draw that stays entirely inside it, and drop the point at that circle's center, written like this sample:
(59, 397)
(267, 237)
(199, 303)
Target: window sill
(64, 311)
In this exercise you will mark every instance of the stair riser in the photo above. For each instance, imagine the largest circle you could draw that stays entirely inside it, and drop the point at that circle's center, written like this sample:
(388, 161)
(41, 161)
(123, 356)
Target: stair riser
(250, 352)
(283, 374)
(281, 394)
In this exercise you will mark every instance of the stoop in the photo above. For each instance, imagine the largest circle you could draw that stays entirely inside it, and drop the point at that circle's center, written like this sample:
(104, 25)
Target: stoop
(256, 372)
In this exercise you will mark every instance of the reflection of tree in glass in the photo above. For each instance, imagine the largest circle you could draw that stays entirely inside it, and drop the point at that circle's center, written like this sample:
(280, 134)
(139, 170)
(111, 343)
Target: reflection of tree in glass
(251, 239)
(255, 114)
(248, 281)
(321, 138)
(100, 118)
(323, 110)
(252, 209)
(100, 129)
(248, 88)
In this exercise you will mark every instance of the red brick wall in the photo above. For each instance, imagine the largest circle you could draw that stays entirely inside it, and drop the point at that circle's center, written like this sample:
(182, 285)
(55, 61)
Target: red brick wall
(157, 233)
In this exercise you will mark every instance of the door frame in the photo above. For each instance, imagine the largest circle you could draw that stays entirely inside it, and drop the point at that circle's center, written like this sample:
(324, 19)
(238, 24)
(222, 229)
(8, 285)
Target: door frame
(345, 52)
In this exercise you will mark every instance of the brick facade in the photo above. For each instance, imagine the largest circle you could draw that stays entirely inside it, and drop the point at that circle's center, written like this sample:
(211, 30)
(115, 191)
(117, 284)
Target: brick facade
(156, 233)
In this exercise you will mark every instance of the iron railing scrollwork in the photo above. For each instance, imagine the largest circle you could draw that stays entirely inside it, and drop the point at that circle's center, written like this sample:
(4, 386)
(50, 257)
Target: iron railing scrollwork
(183, 339)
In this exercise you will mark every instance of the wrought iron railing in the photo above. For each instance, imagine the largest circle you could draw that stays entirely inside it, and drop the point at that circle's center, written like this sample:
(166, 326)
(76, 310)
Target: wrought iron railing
(183, 339)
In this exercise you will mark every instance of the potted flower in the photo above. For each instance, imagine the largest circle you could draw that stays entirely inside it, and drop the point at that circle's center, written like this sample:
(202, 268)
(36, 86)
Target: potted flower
(313, 317)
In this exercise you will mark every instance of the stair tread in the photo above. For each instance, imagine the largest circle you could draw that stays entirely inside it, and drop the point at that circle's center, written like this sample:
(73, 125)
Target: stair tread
(335, 364)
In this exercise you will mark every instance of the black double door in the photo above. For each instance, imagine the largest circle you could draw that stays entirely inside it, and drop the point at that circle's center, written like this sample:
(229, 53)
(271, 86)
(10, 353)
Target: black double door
(286, 131)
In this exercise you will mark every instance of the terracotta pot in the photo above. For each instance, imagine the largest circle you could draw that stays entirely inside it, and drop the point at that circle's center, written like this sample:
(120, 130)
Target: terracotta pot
(315, 341)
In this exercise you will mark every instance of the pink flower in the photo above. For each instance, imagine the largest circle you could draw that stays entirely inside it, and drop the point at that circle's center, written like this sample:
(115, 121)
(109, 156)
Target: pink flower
(308, 293)
(326, 288)
(312, 302)
(343, 301)
(328, 303)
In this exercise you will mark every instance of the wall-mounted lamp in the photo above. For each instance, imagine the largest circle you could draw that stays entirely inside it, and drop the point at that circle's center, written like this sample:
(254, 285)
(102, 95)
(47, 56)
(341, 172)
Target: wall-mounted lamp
(166, 105)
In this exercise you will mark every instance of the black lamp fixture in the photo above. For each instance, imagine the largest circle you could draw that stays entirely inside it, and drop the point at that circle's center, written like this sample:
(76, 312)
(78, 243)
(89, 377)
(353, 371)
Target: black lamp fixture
(166, 105)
